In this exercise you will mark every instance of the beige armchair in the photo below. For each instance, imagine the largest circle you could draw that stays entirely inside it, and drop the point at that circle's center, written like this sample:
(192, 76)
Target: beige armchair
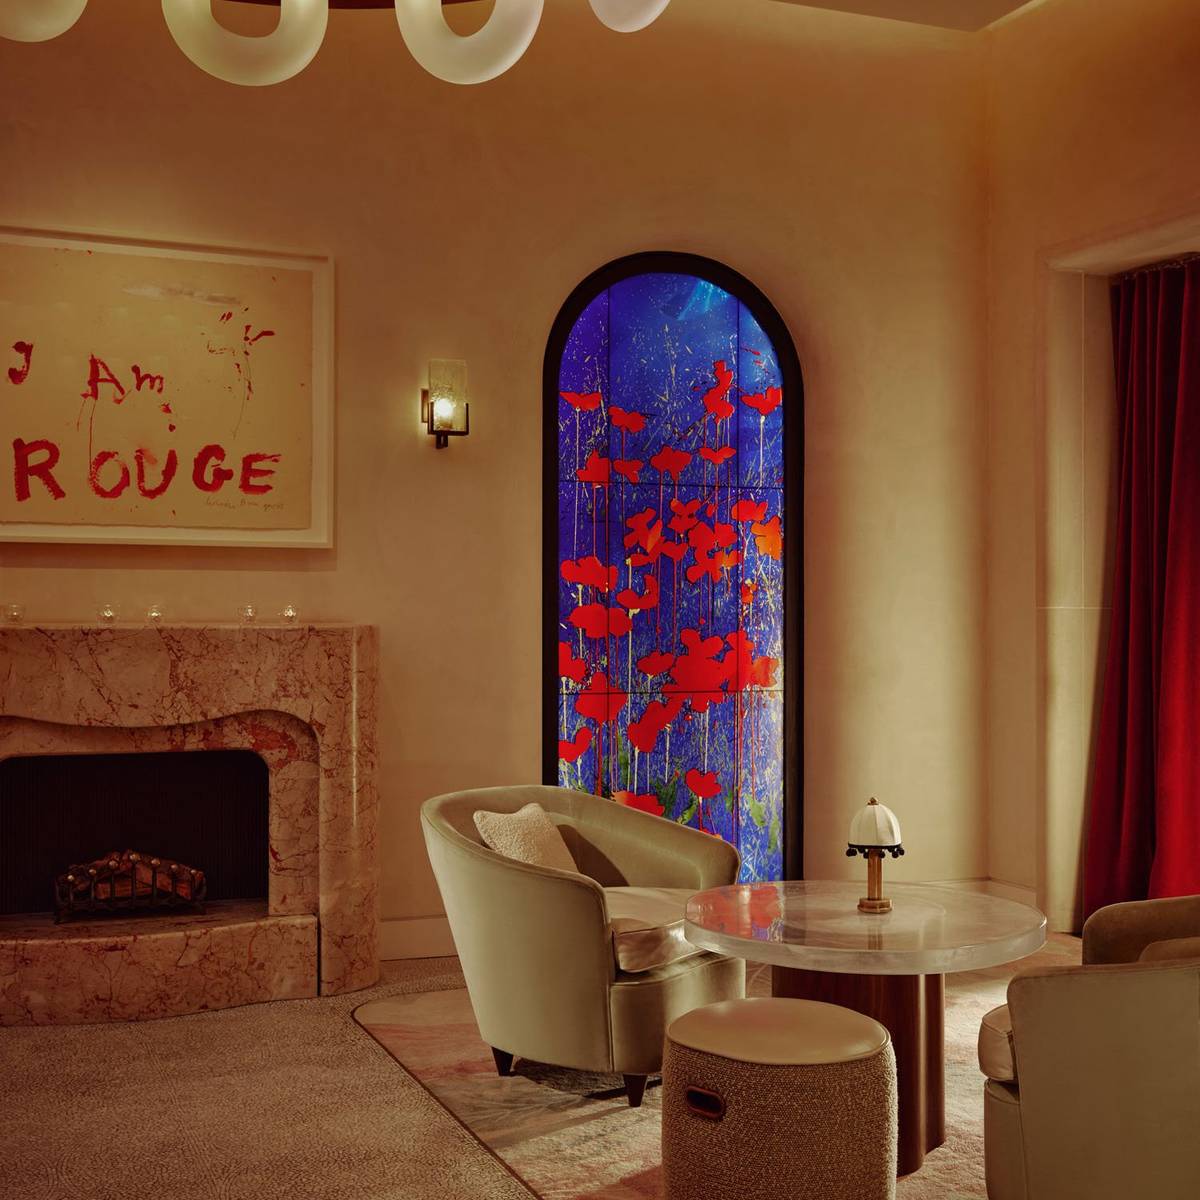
(1093, 1089)
(536, 945)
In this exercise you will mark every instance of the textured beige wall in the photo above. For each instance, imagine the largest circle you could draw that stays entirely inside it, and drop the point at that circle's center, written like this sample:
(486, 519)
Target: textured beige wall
(835, 160)
(1092, 113)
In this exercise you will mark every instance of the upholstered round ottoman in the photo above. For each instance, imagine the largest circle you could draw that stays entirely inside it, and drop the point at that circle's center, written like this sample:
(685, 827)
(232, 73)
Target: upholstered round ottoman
(771, 1098)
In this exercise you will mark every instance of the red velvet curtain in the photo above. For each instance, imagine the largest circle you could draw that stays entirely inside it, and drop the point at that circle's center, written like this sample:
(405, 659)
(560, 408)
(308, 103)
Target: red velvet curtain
(1144, 835)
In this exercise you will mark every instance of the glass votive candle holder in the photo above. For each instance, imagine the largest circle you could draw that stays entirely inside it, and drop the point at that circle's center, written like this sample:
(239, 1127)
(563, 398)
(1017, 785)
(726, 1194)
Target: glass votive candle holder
(247, 613)
(14, 614)
(106, 614)
(154, 614)
(289, 614)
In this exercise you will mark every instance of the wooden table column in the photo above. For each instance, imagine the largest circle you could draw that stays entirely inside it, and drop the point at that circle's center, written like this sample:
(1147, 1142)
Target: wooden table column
(911, 1009)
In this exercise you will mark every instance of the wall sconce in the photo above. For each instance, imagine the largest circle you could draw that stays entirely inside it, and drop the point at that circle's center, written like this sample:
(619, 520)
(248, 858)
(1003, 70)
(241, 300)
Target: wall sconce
(445, 412)
(874, 832)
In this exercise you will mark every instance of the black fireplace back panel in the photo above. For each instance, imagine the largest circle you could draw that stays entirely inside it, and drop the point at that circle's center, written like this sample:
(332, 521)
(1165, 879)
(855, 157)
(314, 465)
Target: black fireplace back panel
(205, 808)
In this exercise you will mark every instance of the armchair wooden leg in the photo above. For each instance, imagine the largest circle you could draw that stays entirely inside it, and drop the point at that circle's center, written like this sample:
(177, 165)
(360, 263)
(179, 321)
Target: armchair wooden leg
(635, 1089)
(504, 1061)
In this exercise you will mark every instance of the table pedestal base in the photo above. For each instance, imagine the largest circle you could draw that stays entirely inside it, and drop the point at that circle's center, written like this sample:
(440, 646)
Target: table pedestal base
(911, 1008)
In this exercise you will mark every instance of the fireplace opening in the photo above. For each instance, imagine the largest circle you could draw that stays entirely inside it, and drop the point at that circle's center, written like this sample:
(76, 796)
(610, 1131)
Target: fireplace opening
(206, 808)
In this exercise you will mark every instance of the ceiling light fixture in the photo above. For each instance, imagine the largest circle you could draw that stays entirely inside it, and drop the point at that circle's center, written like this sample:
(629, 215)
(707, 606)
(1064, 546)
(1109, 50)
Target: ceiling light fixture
(284, 53)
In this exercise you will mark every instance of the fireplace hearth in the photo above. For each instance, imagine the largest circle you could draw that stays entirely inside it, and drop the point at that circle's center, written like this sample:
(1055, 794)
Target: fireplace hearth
(298, 703)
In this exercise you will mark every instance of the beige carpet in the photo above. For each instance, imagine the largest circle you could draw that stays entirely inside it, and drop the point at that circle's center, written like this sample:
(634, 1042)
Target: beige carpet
(284, 1101)
(572, 1136)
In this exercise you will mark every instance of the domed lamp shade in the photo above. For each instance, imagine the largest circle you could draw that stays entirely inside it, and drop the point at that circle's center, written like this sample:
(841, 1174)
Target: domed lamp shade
(874, 832)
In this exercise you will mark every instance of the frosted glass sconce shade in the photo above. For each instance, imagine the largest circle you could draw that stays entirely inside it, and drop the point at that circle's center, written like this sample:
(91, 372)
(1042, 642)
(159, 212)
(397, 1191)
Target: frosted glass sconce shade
(628, 16)
(253, 61)
(444, 408)
(477, 57)
(38, 20)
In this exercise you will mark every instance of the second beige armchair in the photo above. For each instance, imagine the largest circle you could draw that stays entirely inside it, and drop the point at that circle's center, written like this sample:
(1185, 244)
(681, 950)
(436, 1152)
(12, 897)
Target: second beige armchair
(536, 943)
(1093, 1089)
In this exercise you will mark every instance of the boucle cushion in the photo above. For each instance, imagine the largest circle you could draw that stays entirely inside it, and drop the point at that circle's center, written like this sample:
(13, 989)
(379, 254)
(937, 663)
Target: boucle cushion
(647, 926)
(996, 1058)
(528, 835)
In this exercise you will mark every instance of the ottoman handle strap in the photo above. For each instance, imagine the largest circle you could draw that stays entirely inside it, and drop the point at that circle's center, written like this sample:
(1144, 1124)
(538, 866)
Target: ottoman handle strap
(705, 1103)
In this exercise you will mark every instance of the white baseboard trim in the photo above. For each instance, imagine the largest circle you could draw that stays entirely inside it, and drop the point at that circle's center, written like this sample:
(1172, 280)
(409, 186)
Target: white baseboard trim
(415, 937)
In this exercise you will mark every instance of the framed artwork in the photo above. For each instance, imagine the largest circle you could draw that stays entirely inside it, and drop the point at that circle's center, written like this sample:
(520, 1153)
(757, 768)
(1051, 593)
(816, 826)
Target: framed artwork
(672, 601)
(164, 394)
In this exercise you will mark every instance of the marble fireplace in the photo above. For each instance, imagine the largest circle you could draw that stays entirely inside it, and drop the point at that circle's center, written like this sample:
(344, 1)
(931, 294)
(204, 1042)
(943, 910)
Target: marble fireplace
(302, 697)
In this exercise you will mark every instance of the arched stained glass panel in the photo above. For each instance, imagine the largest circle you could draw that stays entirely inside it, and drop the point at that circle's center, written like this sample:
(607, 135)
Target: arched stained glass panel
(670, 560)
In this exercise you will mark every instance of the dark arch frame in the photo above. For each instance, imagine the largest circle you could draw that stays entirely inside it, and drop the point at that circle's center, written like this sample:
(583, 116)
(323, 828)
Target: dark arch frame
(765, 313)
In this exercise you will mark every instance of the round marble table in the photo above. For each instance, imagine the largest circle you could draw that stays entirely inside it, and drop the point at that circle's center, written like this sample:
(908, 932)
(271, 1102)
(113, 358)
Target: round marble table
(888, 965)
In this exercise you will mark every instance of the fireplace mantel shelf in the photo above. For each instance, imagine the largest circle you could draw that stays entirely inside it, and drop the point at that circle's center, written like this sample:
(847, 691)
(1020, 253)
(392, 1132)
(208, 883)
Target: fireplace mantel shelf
(302, 695)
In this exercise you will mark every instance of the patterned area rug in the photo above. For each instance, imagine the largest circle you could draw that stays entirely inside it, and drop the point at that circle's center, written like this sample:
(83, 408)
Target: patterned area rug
(572, 1136)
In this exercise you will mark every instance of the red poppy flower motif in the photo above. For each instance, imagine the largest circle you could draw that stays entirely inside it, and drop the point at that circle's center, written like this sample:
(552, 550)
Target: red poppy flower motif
(595, 471)
(599, 701)
(570, 751)
(727, 558)
(570, 667)
(705, 647)
(592, 619)
(648, 599)
(701, 536)
(669, 461)
(697, 674)
(642, 532)
(726, 534)
(644, 733)
(654, 663)
(704, 784)
(673, 550)
(715, 399)
(591, 572)
(646, 802)
(705, 564)
(582, 401)
(748, 590)
(765, 403)
(658, 715)
(724, 454)
(748, 510)
(628, 468)
(769, 537)
(685, 515)
(619, 623)
(762, 672)
(631, 422)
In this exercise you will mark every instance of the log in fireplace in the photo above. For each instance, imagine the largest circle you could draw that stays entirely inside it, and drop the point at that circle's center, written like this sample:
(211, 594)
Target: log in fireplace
(203, 811)
(127, 881)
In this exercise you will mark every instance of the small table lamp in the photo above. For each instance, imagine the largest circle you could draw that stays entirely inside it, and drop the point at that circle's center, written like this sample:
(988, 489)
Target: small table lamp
(874, 832)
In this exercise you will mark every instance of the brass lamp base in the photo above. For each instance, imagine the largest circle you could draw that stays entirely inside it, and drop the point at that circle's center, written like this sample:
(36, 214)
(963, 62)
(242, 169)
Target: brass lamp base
(874, 901)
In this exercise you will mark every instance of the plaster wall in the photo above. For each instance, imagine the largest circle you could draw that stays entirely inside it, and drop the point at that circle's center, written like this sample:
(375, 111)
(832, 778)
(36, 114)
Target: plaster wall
(835, 160)
(1091, 122)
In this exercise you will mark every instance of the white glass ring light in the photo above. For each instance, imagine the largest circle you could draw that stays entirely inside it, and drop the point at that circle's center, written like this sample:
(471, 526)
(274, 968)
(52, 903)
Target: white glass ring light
(253, 61)
(38, 20)
(628, 16)
(249, 60)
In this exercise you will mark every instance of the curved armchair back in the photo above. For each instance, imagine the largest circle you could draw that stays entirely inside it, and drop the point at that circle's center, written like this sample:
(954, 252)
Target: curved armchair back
(534, 942)
(1108, 1063)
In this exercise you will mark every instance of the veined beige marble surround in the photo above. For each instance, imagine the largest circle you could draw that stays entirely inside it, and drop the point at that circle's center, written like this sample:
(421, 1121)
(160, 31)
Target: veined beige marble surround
(303, 697)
